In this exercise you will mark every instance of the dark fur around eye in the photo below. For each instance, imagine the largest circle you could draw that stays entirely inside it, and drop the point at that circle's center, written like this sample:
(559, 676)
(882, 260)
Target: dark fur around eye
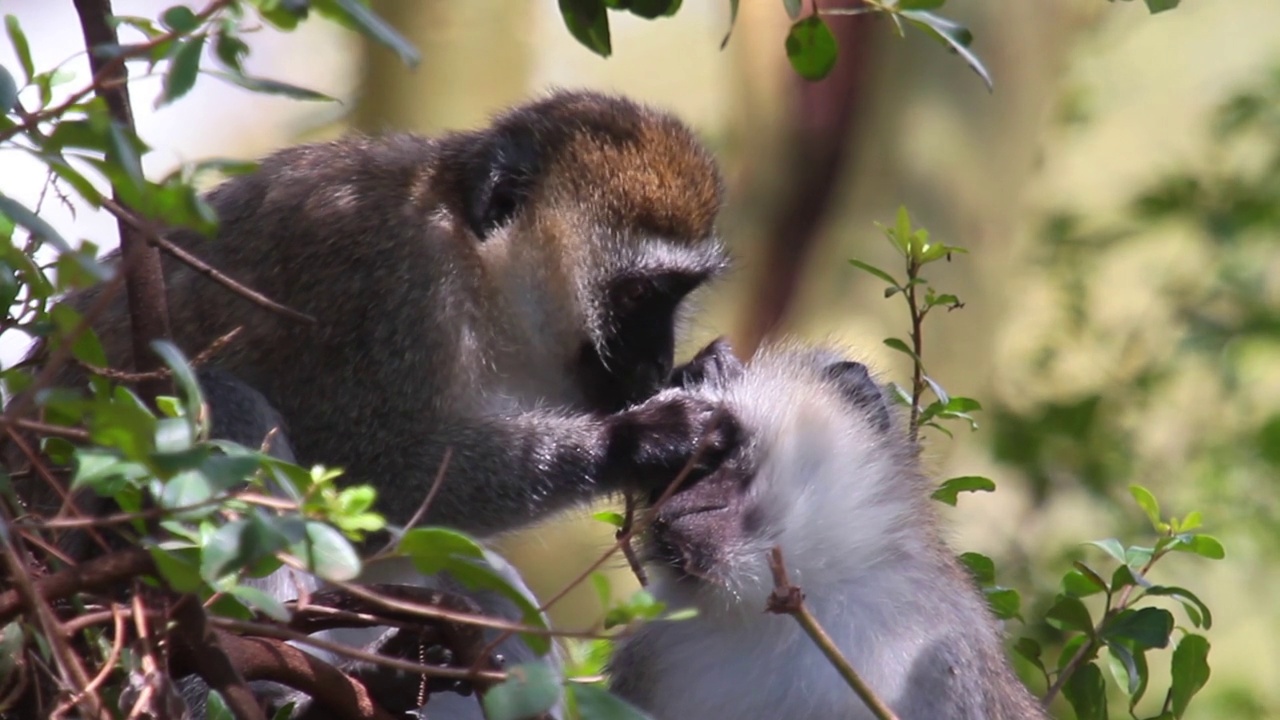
(499, 178)
(861, 390)
(636, 356)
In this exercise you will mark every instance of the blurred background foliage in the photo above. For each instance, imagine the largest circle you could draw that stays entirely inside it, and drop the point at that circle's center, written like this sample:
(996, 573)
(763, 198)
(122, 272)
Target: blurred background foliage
(1119, 193)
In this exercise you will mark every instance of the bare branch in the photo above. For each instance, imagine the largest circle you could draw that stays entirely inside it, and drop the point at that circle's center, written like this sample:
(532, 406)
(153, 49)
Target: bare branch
(787, 599)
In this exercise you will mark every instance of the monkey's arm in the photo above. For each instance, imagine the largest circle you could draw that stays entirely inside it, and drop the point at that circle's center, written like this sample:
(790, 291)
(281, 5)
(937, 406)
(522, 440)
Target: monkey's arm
(509, 471)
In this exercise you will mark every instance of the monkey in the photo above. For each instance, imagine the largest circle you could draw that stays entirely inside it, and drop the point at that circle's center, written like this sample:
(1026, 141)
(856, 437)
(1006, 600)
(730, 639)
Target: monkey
(824, 470)
(500, 297)
(496, 293)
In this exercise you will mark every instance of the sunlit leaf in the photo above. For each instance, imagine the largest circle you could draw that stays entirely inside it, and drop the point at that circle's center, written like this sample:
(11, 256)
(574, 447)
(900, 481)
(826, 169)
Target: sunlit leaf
(1190, 671)
(811, 48)
(951, 34)
(529, 690)
(951, 489)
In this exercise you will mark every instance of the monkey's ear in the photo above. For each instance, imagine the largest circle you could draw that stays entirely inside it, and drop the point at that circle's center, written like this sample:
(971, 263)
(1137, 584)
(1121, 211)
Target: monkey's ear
(860, 389)
(499, 179)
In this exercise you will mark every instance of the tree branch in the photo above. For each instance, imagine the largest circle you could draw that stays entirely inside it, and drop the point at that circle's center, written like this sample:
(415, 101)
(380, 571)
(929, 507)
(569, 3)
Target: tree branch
(787, 599)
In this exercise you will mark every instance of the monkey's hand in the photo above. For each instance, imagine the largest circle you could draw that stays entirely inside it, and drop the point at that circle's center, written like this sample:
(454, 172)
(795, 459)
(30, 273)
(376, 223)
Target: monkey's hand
(713, 365)
(651, 444)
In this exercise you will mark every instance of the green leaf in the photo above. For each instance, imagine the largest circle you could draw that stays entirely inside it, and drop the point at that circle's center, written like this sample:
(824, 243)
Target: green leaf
(951, 34)
(1086, 690)
(1129, 669)
(1068, 613)
(230, 51)
(1148, 503)
(358, 15)
(272, 87)
(901, 347)
(949, 490)
(920, 4)
(1030, 649)
(1190, 671)
(180, 567)
(588, 21)
(8, 91)
(1202, 545)
(19, 214)
(867, 267)
(1082, 581)
(792, 7)
(263, 602)
(980, 566)
(596, 703)
(610, 517)
(183, 69)
(1112, 547)
(811, 48)
(184, 377)
(1147, 627)
(434, 550)
(529, 690)
(733, 19)
(180, 18)
(20, 46)
(1159, 6)
(238, 544)
(216, 707)
(649, 9)
(124, 155)
(1198, 611)
(1005, 603)
(326, 553)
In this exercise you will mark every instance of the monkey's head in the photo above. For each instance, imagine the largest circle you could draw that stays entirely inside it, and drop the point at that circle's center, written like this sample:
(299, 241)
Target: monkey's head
(824, 471)
(598, 215)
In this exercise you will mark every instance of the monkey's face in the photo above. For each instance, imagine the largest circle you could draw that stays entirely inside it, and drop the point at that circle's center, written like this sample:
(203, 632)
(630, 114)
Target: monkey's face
(820, 476)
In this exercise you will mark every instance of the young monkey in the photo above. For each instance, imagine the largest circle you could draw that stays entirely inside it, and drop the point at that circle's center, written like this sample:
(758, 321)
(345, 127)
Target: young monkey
(825, 472)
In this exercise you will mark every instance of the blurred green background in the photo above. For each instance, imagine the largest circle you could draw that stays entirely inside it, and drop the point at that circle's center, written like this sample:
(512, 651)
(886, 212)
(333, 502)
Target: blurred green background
(1119, 193)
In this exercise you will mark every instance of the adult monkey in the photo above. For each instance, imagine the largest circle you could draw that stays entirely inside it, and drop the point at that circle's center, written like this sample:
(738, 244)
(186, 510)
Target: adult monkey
(500, 294)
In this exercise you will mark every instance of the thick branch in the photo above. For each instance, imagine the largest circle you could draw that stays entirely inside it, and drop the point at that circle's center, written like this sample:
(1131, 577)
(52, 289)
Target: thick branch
(203, 651)
(144, 279)
(95, 574)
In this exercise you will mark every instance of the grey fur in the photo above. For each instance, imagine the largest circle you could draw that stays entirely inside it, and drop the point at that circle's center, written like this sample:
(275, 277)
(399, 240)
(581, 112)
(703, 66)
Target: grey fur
(820, 474)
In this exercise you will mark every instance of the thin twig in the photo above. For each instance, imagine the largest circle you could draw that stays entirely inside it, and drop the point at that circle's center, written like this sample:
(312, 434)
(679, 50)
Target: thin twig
(108, 666)
(41, 428)
(787, 599)
(158, 240)
(422, 509)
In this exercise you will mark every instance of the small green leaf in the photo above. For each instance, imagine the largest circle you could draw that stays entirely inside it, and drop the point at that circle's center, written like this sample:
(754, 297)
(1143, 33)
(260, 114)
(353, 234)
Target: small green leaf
(811, 48)
(588, 21)
(1030, 649)
(596, 703)
(1005, 603)
(216, 707)
(980, 566)
(1159, 6)
(238, 544)
(1129, 670)
(610, 517)
(867, 267)
(652, 9)
(901, 347)
(529, 690)
(1203, 545)
(20, 46)
(951, 489)
(19, 214)
(257, 599)
(1148, 503)
(792, 7)
(1198, 611)
(1147, 627)
(273, 87)
(183, 69)
(1190, 671)
(8, 91)
(1086, 690)
(358, 15)
(733, 19)
(920, 4)
(1082, 581)
(1112, 548)
(951, 34)
(1068, 613)
(180, 18)
(326, 553)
